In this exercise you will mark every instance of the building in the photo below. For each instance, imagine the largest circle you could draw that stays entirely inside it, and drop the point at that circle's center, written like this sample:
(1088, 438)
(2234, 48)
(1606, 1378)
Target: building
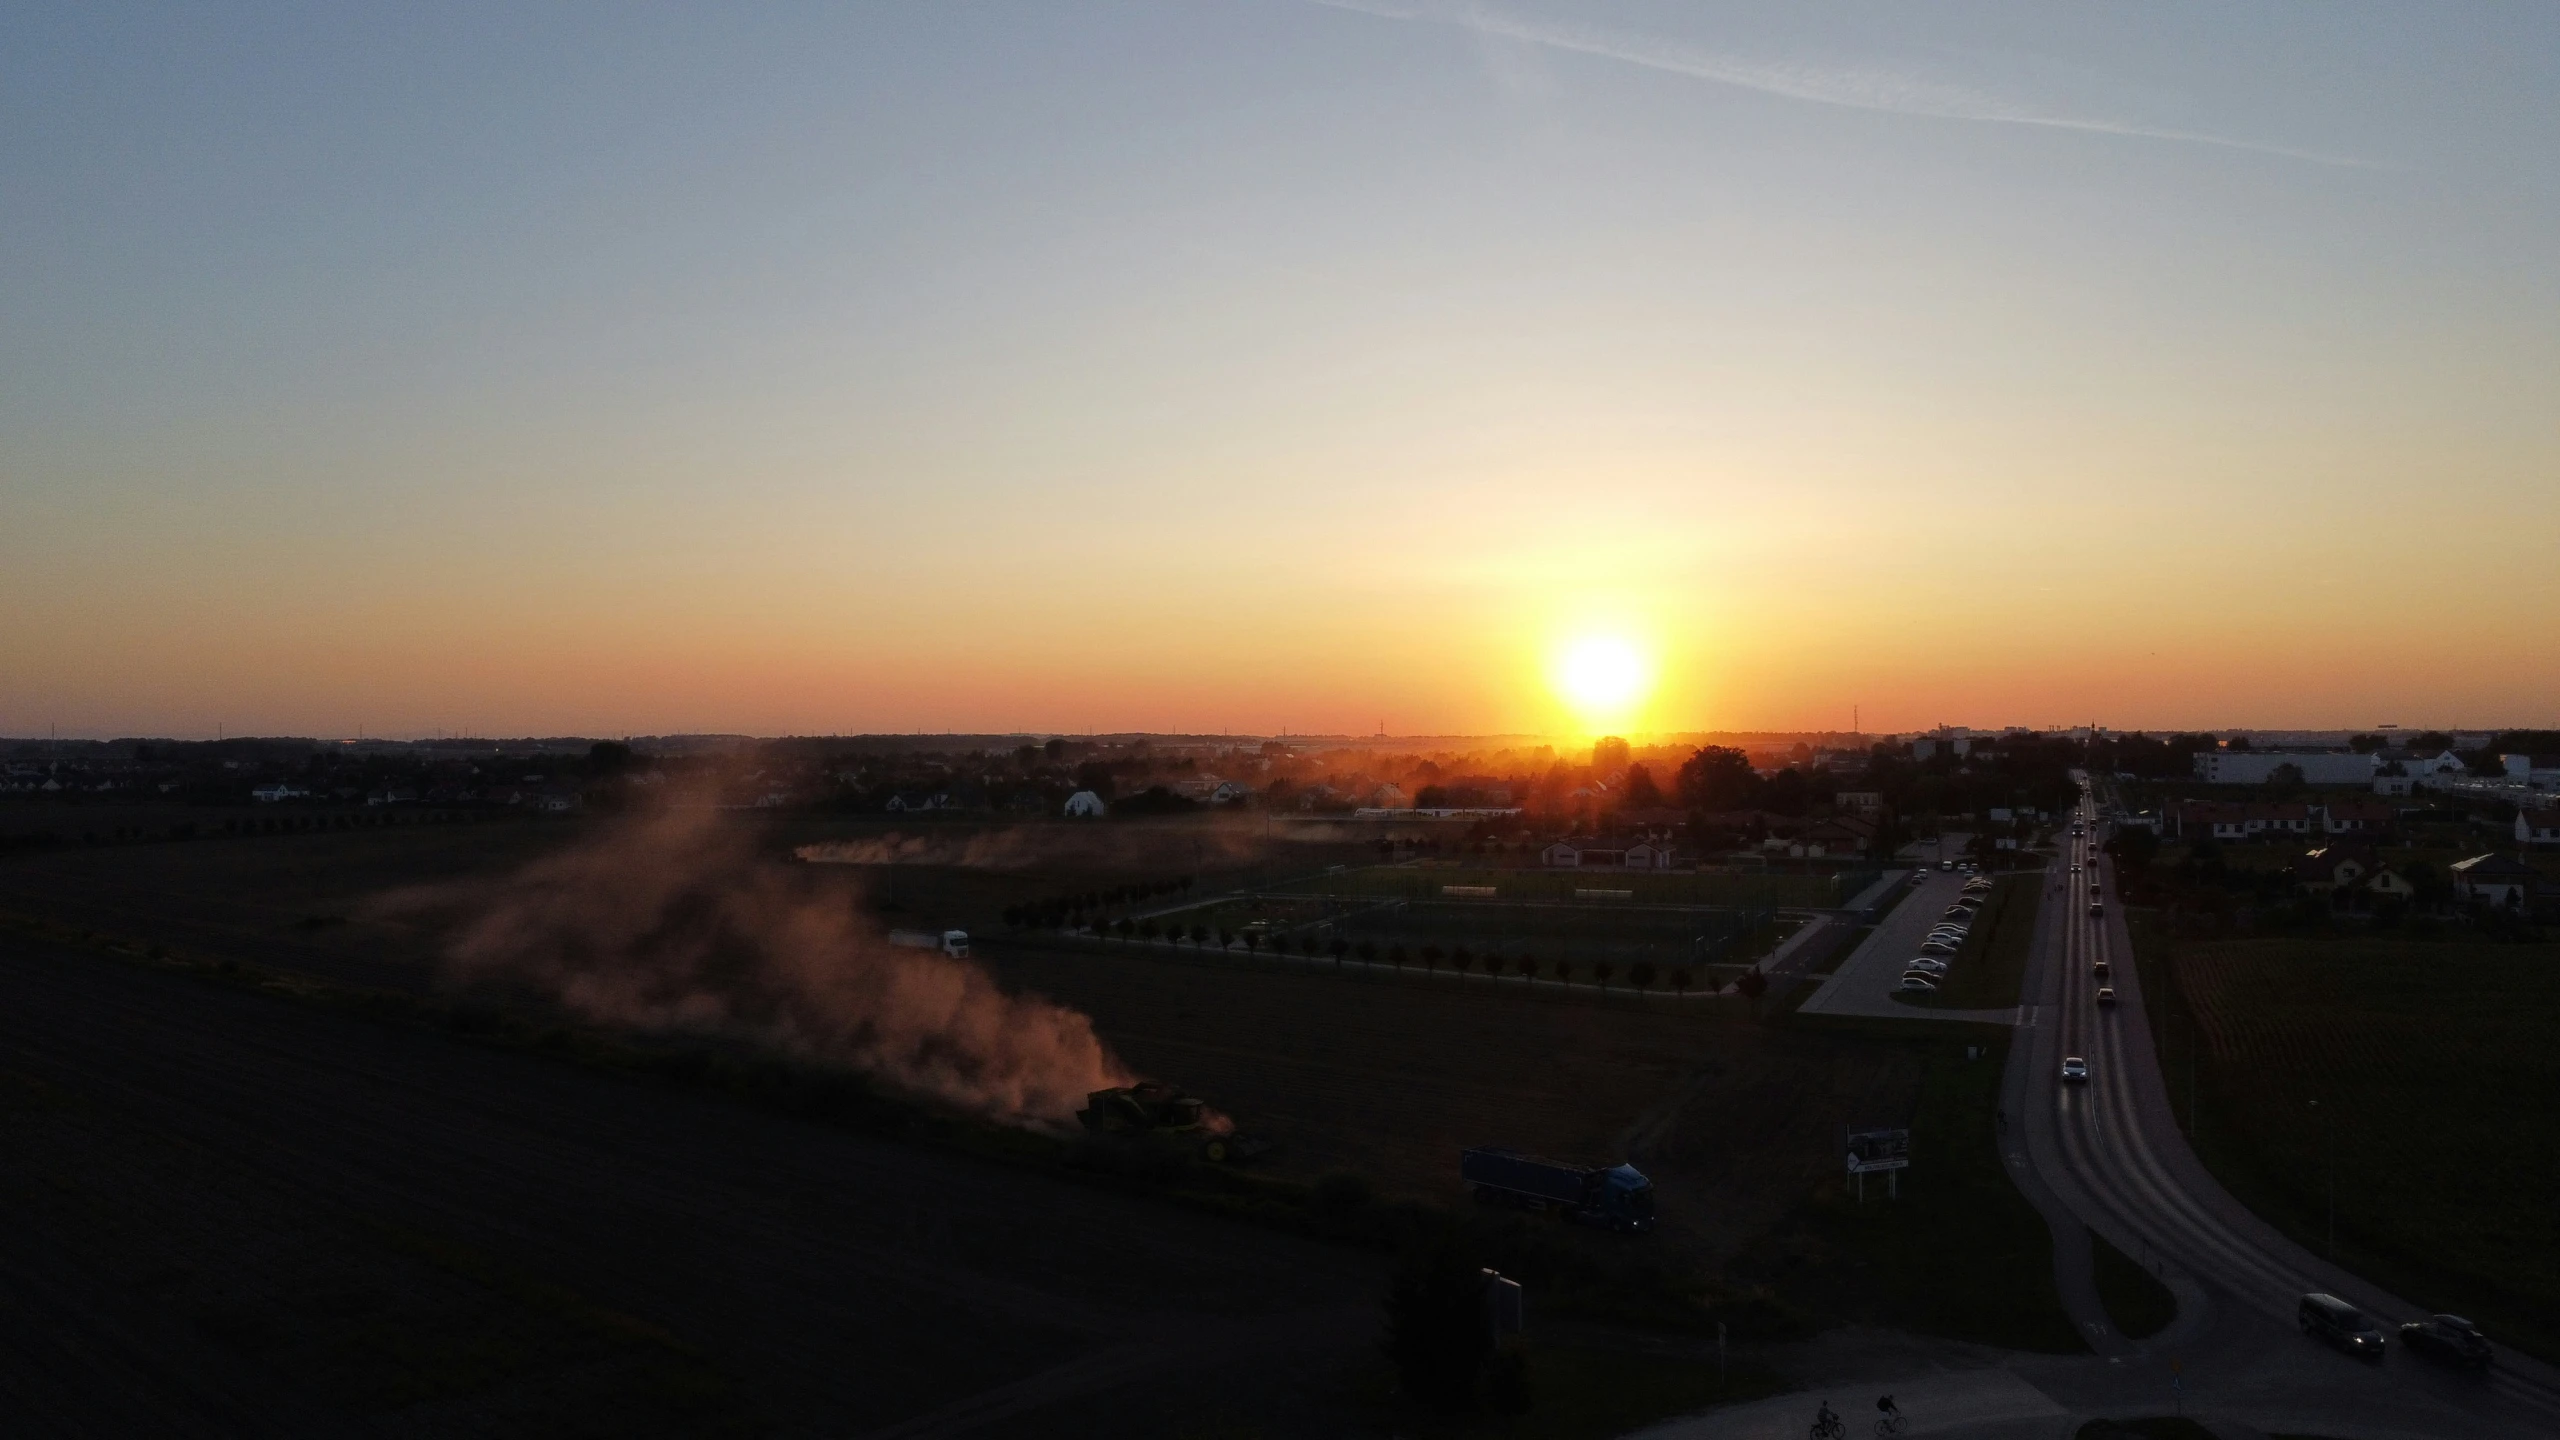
(1583, 852)
(2542, 772)
(2229, 820)
(2387, 883)
(1859, 802)
(2257, 767)
(2358, 817)
(2538, 827)
(2334, 867)
(1085, 805)
(2498, 880)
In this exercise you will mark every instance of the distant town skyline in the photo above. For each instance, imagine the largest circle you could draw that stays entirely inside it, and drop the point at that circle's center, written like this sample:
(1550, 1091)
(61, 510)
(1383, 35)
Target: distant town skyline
(1275, 365)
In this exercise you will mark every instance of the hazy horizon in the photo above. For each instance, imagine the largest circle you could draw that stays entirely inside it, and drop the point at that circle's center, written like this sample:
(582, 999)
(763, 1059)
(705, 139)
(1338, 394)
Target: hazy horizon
(1276, 366)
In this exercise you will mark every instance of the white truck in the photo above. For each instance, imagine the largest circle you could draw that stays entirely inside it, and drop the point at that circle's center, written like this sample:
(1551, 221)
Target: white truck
(954, 943)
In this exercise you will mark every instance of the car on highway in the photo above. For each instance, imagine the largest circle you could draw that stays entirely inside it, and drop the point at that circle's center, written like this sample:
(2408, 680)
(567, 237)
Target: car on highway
(2075, 1070)
(2075, 869)
(2339, 1323)
(1946, 864)
(2098, 968)
(2106, 994)
(2096, 910)
(2448, 1338)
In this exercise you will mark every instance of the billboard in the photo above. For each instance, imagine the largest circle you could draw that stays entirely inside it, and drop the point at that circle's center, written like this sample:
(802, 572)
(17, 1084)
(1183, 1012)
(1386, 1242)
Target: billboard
(1871, 1150)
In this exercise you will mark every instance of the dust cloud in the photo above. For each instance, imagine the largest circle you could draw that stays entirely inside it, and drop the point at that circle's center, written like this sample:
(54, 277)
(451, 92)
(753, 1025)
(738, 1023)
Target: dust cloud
(672, 922)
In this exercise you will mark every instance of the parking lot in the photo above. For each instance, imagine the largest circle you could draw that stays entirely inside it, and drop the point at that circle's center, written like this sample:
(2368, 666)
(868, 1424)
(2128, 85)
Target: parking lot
(1864, 983)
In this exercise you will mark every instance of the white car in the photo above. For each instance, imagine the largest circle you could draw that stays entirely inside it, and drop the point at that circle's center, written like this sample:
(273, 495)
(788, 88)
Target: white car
(1926, 965)
(1920, 983)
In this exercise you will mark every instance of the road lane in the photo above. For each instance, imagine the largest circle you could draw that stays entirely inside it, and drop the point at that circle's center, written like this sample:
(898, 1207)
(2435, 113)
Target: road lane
(2111, 1150)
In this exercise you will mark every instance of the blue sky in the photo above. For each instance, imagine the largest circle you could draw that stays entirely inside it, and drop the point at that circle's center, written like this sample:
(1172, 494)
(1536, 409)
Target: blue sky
(630, 368)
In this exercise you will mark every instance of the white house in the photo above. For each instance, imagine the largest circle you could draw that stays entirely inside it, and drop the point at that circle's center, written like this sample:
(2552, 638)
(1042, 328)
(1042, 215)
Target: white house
(1585, 853)
(270, 794)
(2494, 880)
(2538, 827)
(2542, 772)
(1085, 805)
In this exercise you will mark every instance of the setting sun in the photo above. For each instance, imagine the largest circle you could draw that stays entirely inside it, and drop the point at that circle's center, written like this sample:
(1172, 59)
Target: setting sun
(1603, 678)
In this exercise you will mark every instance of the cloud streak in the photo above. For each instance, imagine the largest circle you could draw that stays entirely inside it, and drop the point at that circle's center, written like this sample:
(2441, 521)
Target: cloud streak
(1883, 90)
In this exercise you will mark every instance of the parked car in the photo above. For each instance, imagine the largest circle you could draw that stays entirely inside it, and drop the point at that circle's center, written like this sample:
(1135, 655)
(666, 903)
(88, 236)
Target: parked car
(2106, 994)
(2341, 1324)
(1927, 964)
(2448, 1338)
(1918, 983)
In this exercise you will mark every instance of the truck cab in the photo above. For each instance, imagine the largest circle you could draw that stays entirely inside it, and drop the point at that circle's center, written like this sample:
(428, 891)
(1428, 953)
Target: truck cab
(955, 943)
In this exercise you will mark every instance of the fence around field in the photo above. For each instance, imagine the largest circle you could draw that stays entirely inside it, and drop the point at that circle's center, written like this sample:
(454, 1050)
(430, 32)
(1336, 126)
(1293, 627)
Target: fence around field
(1732, 889)
(1490, 933)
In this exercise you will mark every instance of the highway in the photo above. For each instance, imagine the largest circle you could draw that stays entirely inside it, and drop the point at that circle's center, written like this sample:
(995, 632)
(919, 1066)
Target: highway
(2111, 1153)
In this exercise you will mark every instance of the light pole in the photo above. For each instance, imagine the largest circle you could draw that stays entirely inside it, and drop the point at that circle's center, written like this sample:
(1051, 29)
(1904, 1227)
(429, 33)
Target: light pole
(2329, 1165)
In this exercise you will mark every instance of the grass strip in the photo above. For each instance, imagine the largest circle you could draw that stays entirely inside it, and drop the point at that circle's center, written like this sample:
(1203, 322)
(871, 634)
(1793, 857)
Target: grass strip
(2136, 1301)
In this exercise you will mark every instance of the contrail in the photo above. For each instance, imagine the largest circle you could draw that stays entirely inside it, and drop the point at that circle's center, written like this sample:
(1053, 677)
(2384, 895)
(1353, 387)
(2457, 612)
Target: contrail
(1880, 90)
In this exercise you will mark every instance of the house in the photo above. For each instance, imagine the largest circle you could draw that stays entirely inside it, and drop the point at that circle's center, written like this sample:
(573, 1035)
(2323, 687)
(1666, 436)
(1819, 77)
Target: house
(2498, 880)
(2358, 817)
(2334, 867)
(2387, 883)
(1860, 802)
(264, 794)
(905, 802)
(1583, 852)
(1197, 787)
(1085, 805)
(2538, 827)
(2229, 820)
(1390, 796)
(1229, 792)
(1839, 835)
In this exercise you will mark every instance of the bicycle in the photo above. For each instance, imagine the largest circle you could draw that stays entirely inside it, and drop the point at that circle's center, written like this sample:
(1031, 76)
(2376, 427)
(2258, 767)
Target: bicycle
(1890, 1425)
(1827, 1426)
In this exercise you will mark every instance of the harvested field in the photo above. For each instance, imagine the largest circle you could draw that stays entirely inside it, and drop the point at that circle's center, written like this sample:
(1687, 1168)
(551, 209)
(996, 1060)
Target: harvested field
(1391, 1079)
(2433, 1061)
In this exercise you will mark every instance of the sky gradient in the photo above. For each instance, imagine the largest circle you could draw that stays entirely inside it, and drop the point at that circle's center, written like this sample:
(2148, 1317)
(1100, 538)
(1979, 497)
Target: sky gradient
(632, 369)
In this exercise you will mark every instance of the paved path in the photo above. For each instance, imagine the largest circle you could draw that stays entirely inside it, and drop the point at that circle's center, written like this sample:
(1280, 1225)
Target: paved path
(1864, 983)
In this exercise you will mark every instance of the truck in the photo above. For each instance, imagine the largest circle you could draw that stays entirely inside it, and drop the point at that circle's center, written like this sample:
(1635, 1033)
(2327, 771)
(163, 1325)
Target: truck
(954, 943)
(1618, 1197)
(1156, 1112)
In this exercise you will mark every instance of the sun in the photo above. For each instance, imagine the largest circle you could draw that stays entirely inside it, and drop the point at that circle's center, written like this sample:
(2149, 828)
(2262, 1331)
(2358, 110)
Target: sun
(1603, 678)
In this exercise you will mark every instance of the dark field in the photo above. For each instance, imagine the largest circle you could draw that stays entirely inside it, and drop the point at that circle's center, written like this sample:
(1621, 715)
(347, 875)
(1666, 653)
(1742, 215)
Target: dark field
(232, 1204)
(2434, 1064)
(231, 1214)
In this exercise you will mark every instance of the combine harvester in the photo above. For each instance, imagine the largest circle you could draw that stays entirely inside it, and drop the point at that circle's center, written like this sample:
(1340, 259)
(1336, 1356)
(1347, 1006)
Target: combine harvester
(1155, 1111)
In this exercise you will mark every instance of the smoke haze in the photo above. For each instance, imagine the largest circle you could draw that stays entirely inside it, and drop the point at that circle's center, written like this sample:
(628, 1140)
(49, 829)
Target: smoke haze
(672, 922)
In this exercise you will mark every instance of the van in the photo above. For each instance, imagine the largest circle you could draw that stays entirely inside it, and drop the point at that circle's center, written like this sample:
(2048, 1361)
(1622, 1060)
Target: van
(2341, 1324)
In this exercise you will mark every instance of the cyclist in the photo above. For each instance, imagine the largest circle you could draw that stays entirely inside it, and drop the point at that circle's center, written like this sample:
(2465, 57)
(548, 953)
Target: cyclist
(1891, 1424)
(1827, 1426)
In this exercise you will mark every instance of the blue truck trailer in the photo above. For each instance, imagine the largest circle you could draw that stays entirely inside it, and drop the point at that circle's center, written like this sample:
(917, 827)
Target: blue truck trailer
(1617, 1196)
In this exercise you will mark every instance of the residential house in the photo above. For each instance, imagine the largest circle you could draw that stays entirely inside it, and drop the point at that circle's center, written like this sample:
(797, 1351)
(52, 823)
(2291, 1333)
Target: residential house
(2334, 867)
(2499, 880)
(2239, 820)
(1860, 802)
(2538, 827)
(2387, 883)
(2358, 817)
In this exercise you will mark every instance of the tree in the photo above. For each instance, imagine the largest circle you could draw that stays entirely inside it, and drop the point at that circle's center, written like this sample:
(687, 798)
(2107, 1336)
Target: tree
(1718, 777)
(1493, 964)
(1680, 979)
(1602, 972)
(1368, 952)
(1395, 956)
(1431, 957)
(1339, 947)
(1436, 1332)
(1199, 934)
(1463, 959)
(1640, 974)
(1529, 969)
(1253, 942)
(1642, 793)
(1753, 985)
(2134, 846)
(1564, 971)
